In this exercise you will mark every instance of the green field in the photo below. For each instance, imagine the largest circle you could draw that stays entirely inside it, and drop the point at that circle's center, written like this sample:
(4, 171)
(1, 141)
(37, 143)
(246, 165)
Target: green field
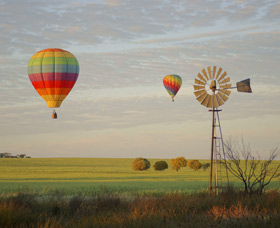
(88, 192)
(93, 175)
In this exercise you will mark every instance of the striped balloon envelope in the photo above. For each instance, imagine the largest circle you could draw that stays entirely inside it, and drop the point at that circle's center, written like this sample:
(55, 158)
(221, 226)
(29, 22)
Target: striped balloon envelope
(53, 73)
(172, 84)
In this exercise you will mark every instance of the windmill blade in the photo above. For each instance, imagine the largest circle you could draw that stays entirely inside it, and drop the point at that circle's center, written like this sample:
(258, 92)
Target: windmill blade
(218, 73)
(209, 72)
(206, 100)
(212, 86)
(223, 96)
(225, 91)
(205, 74)
(210, 102)
(198, 87)
(225, 80)
(201, 98)
(199, 92)
(244, 86)
(219, 99)
(216, 103)
(226, 86)
(214, 71)
(201, 77)
(196, 81)
(222, 76)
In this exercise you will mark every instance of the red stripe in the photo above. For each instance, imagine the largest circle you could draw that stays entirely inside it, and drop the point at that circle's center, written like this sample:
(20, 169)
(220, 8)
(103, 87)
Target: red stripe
(59, 76)
(53, 84)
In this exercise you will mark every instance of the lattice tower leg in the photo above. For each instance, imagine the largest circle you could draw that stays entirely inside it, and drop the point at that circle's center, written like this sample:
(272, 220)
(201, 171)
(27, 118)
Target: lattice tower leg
(221, 153)
(218, 153)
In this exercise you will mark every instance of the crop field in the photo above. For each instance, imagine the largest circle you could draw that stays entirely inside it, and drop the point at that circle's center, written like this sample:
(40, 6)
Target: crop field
(93, 175)
(83, 192)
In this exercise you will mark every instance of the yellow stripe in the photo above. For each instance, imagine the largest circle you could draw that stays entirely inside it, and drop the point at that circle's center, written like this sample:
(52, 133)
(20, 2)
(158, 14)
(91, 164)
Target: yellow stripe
(53, 101)
(53, 97)
(52, 54)
(54, 104)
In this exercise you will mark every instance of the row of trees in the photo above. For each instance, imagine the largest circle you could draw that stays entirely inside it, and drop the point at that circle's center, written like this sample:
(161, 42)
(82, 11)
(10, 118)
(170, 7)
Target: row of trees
(254, 172)
(140, 164)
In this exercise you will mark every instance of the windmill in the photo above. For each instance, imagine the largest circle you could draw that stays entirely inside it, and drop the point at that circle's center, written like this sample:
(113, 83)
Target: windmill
(212, 90)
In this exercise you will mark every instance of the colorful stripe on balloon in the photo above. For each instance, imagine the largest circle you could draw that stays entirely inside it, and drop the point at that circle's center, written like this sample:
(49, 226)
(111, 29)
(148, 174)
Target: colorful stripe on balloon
(172, 83)
(53, 73)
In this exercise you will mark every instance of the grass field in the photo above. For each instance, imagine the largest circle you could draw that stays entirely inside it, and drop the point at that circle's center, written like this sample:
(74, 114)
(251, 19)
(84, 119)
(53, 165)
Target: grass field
(92, 175)
(85, 193)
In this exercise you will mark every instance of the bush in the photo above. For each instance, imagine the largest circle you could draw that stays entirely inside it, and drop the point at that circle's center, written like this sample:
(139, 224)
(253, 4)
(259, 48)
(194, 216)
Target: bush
(140, 164)
(179, 162)
(205, 166)
(194, 164)
(160, 165)
(231, 209)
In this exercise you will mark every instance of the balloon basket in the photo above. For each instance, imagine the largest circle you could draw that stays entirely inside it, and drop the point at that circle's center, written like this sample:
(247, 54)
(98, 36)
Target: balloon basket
(54, 115)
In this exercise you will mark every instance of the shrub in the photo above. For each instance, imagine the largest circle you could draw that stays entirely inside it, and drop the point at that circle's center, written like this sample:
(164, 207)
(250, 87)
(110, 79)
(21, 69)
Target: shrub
(231, 209)
(140, 164)
(75, 203)
(160, 165)
(254, 172)
(194, 164)
(205, 166)
(179, 162)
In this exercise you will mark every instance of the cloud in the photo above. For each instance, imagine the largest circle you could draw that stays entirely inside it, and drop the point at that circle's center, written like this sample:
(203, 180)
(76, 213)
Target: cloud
(113, 2)
(273, 11)
(41, 24)
(197, 37)
(125, 49)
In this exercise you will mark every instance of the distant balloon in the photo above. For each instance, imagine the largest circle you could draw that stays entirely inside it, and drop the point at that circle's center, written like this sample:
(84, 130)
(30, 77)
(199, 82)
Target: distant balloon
(53, 73)
(172, 84)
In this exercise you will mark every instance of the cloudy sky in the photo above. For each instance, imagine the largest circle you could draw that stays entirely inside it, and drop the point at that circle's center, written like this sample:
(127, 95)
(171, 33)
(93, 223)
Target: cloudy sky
(119, 107)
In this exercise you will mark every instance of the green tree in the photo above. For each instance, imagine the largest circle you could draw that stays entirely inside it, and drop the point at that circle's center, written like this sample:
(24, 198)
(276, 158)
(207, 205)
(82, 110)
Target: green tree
(140, 164)
(194, 164)
(205, 166)
(178, 162)
(160, 165)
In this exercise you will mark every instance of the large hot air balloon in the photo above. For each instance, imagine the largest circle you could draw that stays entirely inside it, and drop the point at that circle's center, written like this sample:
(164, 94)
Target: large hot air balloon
(53, 73)
(172, 84)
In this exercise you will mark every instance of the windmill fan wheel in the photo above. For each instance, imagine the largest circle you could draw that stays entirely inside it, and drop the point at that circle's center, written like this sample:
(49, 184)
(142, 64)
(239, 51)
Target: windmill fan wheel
(212, 86)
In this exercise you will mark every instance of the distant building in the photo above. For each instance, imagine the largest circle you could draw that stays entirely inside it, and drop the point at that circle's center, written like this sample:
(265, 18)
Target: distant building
(5, 155)
(21, 156)
(9, 155)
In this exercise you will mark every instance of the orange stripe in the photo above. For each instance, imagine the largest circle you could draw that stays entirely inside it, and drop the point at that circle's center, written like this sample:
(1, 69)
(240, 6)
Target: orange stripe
(53, 91)
(52, 49)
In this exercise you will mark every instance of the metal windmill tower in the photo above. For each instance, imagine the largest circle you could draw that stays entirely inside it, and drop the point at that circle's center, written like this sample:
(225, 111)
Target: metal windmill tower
(212, 89)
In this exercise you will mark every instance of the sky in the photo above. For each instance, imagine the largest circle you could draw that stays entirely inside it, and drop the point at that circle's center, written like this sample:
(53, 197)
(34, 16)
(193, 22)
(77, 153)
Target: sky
(118, 107)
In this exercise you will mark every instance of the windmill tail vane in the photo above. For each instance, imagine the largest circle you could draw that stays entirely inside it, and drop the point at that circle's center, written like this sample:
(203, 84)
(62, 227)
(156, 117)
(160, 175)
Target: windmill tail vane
(244, 86)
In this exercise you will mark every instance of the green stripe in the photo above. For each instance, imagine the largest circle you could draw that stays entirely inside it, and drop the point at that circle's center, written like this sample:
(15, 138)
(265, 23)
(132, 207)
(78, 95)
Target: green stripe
(53, 60)
(35, 69)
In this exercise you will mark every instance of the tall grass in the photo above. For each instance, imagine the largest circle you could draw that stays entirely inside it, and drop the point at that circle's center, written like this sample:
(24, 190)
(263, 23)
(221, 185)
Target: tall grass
(229, 209)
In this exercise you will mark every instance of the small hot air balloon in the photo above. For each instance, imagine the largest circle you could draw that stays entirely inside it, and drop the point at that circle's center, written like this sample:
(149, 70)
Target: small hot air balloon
(53, 73)
(172, 84)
